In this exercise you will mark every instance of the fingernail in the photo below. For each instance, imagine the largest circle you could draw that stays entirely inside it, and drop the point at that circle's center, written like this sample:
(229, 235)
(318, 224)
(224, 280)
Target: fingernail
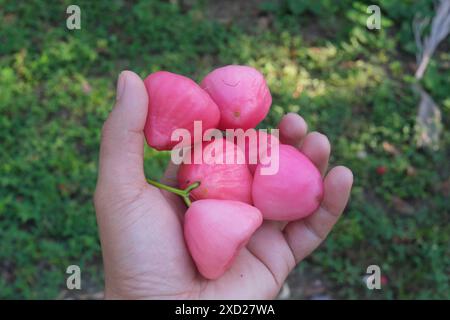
(120, 85)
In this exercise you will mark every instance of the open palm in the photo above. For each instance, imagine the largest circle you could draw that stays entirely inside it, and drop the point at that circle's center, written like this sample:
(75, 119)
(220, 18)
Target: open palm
(144, 253)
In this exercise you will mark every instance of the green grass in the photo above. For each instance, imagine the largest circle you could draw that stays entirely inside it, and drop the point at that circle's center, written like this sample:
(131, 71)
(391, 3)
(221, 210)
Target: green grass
(57, 87)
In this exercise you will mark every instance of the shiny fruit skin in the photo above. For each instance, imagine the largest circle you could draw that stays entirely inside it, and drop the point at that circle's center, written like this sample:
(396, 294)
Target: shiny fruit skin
(258, 150)
(294, 192)
(216, 230)
(175, 102)
(226, 181)
(241, 93)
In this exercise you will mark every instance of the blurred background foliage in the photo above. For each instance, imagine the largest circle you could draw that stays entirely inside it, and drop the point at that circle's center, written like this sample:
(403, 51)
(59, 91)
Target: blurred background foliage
(57, 87)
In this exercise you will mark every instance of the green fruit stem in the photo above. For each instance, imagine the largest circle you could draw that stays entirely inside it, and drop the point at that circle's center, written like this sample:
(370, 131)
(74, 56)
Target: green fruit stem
(184, 193)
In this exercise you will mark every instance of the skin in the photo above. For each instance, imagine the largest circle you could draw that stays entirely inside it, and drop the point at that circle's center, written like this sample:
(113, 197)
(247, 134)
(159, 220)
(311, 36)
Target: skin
(144, 253)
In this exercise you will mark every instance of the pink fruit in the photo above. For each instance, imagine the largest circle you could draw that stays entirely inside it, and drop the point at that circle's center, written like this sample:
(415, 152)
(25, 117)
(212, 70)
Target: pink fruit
(227, 180)
(216, 230)
(241, 94)
(381, 170)
(175, 102)
(259, 149)
(294, 192)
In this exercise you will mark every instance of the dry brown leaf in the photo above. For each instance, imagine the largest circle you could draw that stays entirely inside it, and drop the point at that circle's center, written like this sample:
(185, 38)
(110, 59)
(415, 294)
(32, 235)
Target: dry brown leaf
(402, 206)
(411, 171)
(390, 148)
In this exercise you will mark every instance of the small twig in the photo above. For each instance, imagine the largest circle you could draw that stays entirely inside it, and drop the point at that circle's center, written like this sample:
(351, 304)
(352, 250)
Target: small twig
(440, 28)
(183, 193)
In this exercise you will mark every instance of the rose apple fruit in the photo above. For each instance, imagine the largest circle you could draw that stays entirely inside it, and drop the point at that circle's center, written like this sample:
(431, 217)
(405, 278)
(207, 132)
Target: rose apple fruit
(241, 93)
(218, 171)
(261, 148)
(175, 102)
(216, 230)
(294, 192)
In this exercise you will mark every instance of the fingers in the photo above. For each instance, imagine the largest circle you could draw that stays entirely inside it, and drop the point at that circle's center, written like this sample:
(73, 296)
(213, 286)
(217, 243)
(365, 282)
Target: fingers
(293, 129)
(303, 236)
(268, 245)
(122, 143)
(317, 148)
(337, 186)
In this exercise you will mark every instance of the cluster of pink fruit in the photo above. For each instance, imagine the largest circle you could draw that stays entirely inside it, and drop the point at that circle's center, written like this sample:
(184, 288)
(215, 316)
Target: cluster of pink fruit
(230, 200)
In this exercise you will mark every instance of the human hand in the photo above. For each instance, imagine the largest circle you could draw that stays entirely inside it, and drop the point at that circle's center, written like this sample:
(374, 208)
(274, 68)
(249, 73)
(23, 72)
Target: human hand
(144, 253)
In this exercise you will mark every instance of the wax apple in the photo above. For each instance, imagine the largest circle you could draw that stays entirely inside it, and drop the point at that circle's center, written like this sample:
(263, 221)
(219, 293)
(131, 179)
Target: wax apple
(294, 192)
(175, 102)
(219, 173)
(260, 149)
(241, 93)
(216, 230)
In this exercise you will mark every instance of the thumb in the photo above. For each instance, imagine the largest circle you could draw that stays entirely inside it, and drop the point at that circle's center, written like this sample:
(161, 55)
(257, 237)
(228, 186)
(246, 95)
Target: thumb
(122, 143)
